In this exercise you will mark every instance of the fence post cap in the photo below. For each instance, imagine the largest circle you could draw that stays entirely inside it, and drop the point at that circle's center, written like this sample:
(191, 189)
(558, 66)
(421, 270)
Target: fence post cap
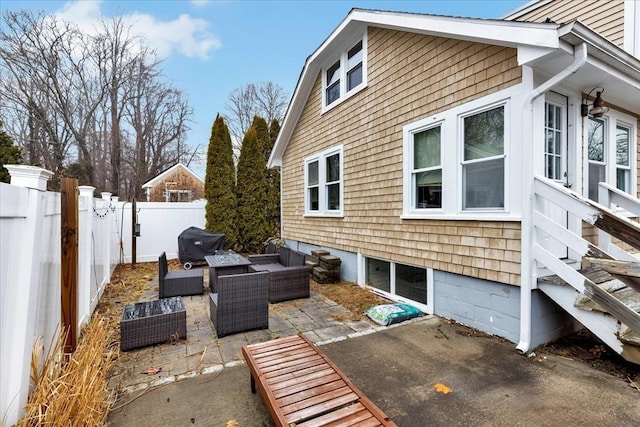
(29, 176)
(106, 195)
(86, 190)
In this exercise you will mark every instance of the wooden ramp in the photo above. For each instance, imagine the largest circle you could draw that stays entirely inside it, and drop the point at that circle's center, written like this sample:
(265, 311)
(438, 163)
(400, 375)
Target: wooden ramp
(302, 387)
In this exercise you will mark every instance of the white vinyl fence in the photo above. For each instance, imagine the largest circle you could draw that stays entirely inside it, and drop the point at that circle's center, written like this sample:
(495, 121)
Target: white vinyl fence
(30, 264)
(160, 226)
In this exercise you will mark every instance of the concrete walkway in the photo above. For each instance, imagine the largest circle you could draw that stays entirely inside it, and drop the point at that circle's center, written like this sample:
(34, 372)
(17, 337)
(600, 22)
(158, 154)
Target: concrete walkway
(427, 373)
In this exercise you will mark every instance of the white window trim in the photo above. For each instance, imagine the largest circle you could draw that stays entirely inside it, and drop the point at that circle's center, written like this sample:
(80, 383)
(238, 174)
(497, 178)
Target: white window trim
(612, 119)
(505, 149)
(322, 183)
(344, 95)
(408, 133)
(451, 130)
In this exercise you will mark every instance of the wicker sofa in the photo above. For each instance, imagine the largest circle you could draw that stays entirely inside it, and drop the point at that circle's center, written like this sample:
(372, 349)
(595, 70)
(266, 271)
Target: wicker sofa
(241, 303)
(288, 274)
(179, 282)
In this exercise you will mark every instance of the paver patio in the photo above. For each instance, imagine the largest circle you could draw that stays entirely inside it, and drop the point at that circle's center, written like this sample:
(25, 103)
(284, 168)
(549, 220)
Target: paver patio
(318, 318)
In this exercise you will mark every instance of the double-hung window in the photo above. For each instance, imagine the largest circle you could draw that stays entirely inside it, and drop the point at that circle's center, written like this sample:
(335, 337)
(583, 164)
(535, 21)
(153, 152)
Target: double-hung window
(623, 165)
(324, 183)
(346, 74)
(455, 162)
(610, 152)
(596, 155)
(553, 129)
(333, 83)
(354, 66)
(483, 160)
(426, 174)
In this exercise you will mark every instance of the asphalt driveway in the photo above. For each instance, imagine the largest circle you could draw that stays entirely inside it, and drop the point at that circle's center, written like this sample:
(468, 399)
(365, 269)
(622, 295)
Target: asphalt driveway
(429, 373)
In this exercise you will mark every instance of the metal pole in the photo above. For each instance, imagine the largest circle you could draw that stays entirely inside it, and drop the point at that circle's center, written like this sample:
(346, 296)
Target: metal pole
(133, 232)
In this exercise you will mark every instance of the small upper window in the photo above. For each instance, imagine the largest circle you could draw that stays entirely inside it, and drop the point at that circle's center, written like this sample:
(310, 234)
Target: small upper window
(333, 83)
(354, 66)
(346, 75)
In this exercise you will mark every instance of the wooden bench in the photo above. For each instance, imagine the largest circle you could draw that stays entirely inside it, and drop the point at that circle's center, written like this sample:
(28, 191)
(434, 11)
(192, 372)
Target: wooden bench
(302, 387)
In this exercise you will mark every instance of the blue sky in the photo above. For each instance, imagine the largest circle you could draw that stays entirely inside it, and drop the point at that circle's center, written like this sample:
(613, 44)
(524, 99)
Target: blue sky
(212, 47)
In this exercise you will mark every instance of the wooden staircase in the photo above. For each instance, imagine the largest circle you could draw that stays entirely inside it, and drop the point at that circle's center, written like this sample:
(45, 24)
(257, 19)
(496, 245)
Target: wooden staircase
(604, 295)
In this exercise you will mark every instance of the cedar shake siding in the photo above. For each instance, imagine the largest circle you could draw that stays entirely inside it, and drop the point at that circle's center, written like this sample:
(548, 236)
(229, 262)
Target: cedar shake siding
(604, 17)
(410, 77)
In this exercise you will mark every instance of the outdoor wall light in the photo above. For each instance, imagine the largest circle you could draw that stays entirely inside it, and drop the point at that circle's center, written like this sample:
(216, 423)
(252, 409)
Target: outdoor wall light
(598, 108)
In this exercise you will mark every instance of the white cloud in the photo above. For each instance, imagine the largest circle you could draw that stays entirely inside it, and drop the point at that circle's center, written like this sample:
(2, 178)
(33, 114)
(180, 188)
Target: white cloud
(186, 35)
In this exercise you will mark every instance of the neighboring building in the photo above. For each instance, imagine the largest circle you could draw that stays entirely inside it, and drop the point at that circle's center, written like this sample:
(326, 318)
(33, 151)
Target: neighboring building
(434, 155)
(176, 184)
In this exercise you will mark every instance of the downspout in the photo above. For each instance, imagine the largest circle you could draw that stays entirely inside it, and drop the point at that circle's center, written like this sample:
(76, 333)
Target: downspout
(528, 273)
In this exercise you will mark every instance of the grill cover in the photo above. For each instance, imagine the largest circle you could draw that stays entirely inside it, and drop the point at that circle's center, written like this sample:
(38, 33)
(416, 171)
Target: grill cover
(194, 243)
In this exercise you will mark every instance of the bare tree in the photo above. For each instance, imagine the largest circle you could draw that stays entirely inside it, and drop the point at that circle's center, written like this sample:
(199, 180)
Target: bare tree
(264, 99)
(123, 54)
(50, 71)
(75, 102)
(271, 100)
(158, 115)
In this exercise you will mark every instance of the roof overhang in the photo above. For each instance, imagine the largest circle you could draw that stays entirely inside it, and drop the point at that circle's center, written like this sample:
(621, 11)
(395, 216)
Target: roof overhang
(544, 46)
(607, 65)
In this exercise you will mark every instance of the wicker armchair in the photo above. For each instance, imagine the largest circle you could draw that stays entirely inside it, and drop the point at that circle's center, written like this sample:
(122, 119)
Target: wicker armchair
(179, 282)
(288, 274)
(241, 303)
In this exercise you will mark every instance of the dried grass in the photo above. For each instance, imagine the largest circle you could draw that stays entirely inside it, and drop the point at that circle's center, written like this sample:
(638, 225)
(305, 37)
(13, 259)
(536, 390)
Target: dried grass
(71, 390)
(351, 296)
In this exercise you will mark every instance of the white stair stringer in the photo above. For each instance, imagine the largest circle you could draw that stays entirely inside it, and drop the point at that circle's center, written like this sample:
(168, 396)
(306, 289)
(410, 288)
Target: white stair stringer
(602, 325)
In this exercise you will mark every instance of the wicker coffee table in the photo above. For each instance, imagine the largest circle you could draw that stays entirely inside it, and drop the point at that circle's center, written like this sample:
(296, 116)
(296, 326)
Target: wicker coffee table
(152, 322)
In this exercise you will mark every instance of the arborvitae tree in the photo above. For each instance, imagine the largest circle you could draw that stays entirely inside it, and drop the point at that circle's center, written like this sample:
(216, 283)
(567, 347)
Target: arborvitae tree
(9, 155)
(264, 141)
(219, 186)
(251, 220)
(273, 185)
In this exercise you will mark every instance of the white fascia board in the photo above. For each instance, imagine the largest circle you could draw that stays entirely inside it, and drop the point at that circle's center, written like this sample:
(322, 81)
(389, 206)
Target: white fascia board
(602, 49)
(507, 33)
(298, 99)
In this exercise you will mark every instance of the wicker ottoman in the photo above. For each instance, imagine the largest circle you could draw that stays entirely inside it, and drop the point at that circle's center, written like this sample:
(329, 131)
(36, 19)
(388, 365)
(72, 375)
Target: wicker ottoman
(152, 322)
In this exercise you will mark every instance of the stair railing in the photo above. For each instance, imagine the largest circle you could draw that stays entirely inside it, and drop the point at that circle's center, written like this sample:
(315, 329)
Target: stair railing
(609, 223)
(625, 205)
